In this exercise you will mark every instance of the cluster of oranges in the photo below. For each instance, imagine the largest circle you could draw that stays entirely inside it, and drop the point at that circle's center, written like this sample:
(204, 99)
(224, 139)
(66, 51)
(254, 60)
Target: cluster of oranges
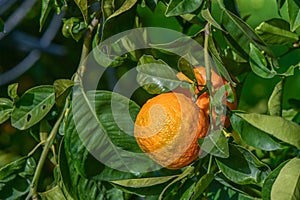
(168, 126)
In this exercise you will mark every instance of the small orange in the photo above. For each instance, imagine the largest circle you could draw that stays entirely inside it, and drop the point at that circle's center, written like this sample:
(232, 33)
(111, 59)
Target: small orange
(203, 100)
(168, 127)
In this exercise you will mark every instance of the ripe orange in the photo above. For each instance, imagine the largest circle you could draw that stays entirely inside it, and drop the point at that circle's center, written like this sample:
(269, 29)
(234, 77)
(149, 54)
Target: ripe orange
(203, 100)
(168, 127)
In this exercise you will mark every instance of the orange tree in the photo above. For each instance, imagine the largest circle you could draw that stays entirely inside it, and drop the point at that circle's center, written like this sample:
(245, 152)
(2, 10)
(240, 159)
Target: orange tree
(87, 141)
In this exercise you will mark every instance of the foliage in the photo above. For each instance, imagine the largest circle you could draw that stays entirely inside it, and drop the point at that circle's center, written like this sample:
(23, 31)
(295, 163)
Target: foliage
(257, 157)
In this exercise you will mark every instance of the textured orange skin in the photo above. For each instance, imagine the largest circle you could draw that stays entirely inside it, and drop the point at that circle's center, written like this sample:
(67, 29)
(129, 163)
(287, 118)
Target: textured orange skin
(165, 129)
(203, 100)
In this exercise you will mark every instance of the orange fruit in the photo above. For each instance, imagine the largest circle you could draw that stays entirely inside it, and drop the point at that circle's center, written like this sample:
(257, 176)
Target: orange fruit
(167, 129)
(203, 100)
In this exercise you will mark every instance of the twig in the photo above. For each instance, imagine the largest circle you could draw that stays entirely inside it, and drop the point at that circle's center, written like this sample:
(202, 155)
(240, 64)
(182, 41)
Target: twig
(33, 188)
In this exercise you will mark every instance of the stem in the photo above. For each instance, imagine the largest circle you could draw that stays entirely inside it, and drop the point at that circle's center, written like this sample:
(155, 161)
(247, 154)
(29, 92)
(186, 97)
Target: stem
(209, 164)
(33, 189)
(87, 43)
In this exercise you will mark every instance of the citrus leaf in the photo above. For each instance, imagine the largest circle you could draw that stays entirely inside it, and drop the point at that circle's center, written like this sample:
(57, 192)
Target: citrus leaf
(6, 107)
(276, 31)
(100, 127)
(243, 167)
(144, 182)
(249, 135)
(278, 127)
(186, 68)
(47, 5)
(180, 7)
(290, 176)
(267, 186)
(127, 5)
(275, 101)
(189, 170)
(73, 27)
(294, 14)
(53, 194)
(32, 107)
(258, 63)
(202, 184)
(12, 91)
(241, 32)
(209, 18)
(62, 88)
(83, 6)
(15, 178)
(215, 143)
(155, 76)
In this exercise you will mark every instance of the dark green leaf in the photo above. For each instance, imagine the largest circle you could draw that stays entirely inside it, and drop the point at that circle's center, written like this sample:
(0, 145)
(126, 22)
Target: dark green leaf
(74, 28)
(186, 68)
(192, 18)
(202, 184)
(275, 101)
(276, 31)
(186, 172)
(6, 107)
(62, 88)
(287, 183)
(155, 76)
(280, 3)
(180, 7)
(12, 91)
(83, 6)
(243, 167)
(32, 107)
(267, 186)
(241, 32)
(1, 25)
(47, 6)
(294, 14)
(215, 143)
(278, 127)
(249, 135)
(144, 182)
(15, 178)
(208, 17)
(100, 127)
(124, 17)
(258, 63)
(53, 194)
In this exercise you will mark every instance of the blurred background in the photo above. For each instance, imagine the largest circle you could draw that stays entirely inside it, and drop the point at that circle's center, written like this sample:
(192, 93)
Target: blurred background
(32, 57)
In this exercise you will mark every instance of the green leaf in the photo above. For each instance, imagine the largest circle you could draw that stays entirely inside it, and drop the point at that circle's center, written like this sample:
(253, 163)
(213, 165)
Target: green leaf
(73, 27)
(1, 25)
(242, 167)
(144, 182)
(15, 178)
(192, 18)
(276, 31)
(202, 184)
(249, 135)
(155, 76)
(275, 101)
(189, 170)
(267, 186)
(209, 18)
(258, 63)
(278, 127)
(241, 32)
(32, 107)
(53, 194)
(294, 14)
(83, 6)
(215, 143)
(124, 17)
(62, 88)
(100, 127)
(6, 107)
(47, 6)
(12, 91)
(186, 68)
(180, 7)
(287, 184)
